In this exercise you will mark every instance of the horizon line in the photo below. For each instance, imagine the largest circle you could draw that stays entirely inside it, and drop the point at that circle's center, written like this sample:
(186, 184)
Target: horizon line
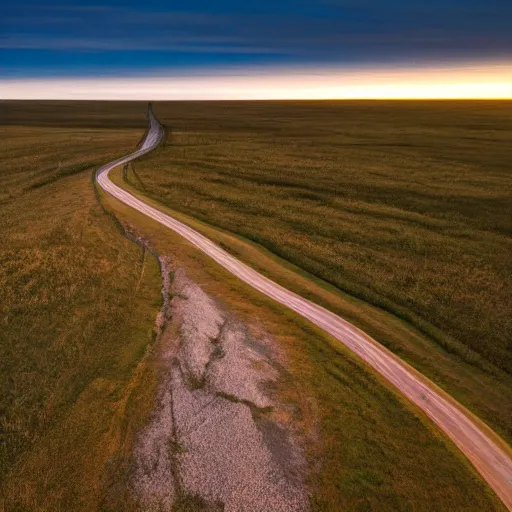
(471, 82)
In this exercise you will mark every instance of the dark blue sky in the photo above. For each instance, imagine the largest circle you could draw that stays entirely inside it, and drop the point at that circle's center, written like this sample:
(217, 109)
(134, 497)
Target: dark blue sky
(110, 37)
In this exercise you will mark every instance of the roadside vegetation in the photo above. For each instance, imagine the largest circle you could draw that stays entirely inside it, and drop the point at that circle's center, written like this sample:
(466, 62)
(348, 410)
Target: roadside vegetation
(367, 448)
(404, 206)
(80, 309)
(78, 302)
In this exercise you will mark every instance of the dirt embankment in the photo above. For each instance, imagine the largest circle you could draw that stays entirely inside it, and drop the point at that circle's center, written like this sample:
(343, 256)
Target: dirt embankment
(212, 442)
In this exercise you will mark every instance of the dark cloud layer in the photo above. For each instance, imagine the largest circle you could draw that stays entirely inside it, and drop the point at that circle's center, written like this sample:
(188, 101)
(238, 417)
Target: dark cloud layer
(77, 38)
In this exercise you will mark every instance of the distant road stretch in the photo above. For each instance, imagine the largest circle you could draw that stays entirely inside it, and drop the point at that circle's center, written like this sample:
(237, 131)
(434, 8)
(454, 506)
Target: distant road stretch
(489, 458)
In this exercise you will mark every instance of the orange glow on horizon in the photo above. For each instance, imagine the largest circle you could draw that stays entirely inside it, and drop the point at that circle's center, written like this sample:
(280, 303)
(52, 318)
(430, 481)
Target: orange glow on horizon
(490, 81)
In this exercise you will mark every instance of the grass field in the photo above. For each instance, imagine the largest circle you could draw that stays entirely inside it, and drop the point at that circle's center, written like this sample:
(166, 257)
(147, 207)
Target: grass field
(77, 312)
(405, 206)
(75, 377)
(367, 449)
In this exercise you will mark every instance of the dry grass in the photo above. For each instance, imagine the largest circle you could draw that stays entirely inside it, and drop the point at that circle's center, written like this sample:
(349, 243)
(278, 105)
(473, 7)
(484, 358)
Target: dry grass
(371, 451)
(73, 331)
(368, 449)
(404, 206)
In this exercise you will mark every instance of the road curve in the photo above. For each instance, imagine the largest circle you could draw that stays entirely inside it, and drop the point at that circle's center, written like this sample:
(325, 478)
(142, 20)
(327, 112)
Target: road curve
(489, 458)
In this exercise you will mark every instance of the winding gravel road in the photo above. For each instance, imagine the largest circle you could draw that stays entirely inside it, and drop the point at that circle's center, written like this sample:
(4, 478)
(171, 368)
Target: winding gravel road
(492, 460)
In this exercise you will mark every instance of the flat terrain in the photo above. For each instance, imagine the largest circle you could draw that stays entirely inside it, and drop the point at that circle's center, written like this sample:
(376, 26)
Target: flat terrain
(375, 452)
(486, 453)
(78, 303)
(367, 448)
(406, 206)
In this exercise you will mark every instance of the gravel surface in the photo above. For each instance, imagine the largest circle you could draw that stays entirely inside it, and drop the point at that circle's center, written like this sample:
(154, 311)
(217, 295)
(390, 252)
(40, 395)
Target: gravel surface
(212, 435)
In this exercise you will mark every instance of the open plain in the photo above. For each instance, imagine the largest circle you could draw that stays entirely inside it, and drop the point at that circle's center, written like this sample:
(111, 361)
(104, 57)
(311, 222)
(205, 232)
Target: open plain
(333, 205)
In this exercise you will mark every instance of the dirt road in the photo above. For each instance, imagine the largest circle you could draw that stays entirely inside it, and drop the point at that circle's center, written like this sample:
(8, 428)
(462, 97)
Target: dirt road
(489, 456)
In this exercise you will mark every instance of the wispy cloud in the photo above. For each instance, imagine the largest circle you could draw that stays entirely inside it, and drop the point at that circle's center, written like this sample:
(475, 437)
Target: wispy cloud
(177, 44)
(122, 14)
(198, 43)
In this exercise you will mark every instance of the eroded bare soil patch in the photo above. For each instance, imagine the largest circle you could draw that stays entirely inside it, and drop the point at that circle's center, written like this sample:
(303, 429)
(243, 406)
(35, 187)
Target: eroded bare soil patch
(214, 440)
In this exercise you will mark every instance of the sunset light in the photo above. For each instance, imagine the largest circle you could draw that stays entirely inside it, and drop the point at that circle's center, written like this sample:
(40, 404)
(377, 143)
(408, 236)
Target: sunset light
(255, 255)
(481, 81)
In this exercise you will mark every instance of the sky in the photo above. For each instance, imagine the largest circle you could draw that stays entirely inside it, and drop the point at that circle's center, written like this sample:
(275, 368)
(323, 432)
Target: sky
(256, 49)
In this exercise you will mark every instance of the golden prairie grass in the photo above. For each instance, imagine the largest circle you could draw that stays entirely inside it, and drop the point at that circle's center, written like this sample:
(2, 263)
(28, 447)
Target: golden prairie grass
(373, 451)
(75, 326)
(405, 206)
(485, 393)
(367, 448)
